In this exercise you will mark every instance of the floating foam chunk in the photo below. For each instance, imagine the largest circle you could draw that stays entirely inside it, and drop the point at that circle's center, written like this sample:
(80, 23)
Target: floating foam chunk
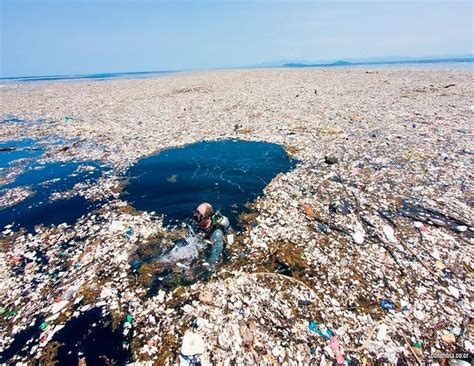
(454, 291)
(106, 292)
(389, 233)
(117, 226)
(382, 332)
(419, 314)
(359, 236)
(461, 228)
(58, 306)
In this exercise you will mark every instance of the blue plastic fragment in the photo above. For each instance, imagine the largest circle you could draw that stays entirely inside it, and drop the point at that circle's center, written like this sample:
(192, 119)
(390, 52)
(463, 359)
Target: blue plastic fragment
(193, 323)
(313, 326)
(129, 232)
(327, 334)
(387, 304)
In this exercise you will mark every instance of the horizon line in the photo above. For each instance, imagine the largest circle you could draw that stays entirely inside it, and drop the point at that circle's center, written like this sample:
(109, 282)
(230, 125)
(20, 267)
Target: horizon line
(261, 65)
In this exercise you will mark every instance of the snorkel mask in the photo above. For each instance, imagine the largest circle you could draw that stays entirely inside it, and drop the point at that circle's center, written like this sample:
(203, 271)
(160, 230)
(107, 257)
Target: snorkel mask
(203, 221)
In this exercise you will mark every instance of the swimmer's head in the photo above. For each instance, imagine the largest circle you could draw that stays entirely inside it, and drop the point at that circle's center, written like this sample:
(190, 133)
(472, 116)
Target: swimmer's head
(203, 215)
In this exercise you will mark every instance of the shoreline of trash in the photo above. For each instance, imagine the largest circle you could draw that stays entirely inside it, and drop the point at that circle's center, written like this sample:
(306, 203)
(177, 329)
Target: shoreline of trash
(361, 253)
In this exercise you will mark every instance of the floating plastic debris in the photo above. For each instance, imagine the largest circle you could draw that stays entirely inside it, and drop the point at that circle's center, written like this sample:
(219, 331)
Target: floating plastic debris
(414, 180)
(387, 304)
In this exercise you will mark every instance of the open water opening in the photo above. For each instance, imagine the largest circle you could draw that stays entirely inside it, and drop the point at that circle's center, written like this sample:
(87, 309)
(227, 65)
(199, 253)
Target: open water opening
(227, 174)
(21, 345)
(92, 338)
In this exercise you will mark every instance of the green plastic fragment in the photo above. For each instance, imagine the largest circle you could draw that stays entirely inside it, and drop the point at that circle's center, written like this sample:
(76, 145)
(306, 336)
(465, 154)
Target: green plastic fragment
(43, 326)
(68, 119)
(128, 318)
(11, 314)
(418, 344)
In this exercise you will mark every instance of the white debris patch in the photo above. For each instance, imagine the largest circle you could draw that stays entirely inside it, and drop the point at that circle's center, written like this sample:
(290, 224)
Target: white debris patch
(11, 197)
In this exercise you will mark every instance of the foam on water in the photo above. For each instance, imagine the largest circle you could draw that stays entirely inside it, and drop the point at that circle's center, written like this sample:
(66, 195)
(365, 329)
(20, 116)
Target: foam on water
(186, 249)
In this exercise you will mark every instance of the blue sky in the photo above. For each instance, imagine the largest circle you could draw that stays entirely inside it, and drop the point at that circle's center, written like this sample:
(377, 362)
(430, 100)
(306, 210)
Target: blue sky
(45, 37)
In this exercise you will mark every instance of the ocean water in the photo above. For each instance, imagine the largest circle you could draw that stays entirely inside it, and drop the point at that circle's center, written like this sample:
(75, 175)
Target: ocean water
(451, 63)
(227, 174)
(11, 151)
(101, 76)
(22, 342)
(89, 335)
(43, 179)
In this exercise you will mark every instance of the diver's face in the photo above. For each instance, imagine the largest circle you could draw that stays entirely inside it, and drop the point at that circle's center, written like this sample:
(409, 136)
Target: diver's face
(202, 222)
(205, 223)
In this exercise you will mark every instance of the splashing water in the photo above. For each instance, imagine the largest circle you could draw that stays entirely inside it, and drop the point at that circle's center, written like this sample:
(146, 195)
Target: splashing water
(186, 249)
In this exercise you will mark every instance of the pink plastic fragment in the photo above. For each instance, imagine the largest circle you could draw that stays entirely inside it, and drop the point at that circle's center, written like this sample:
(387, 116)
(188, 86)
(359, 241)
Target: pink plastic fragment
(334, 343)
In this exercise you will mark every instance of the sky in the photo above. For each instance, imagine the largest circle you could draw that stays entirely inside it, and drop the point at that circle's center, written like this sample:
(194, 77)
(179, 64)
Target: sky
(54, 37)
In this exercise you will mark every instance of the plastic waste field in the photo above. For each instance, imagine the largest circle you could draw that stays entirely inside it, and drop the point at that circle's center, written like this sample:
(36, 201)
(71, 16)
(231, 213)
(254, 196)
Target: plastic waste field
(361, 254)
(172, 183)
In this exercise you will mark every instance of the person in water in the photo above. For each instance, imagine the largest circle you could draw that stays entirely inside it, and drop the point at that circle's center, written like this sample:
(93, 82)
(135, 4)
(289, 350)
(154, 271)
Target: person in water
(213, 226)
(210, 228)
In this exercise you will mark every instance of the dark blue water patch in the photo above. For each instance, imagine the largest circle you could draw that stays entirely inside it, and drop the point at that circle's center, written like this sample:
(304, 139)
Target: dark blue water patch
(91, 336)
(50, 213)
(44, 180)
(101, 76)
(46, 174)
(20, 155)
(10, 151)
(227, 174)
(13, 120)
(10, 120)
(22, 343)
(20, 166)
